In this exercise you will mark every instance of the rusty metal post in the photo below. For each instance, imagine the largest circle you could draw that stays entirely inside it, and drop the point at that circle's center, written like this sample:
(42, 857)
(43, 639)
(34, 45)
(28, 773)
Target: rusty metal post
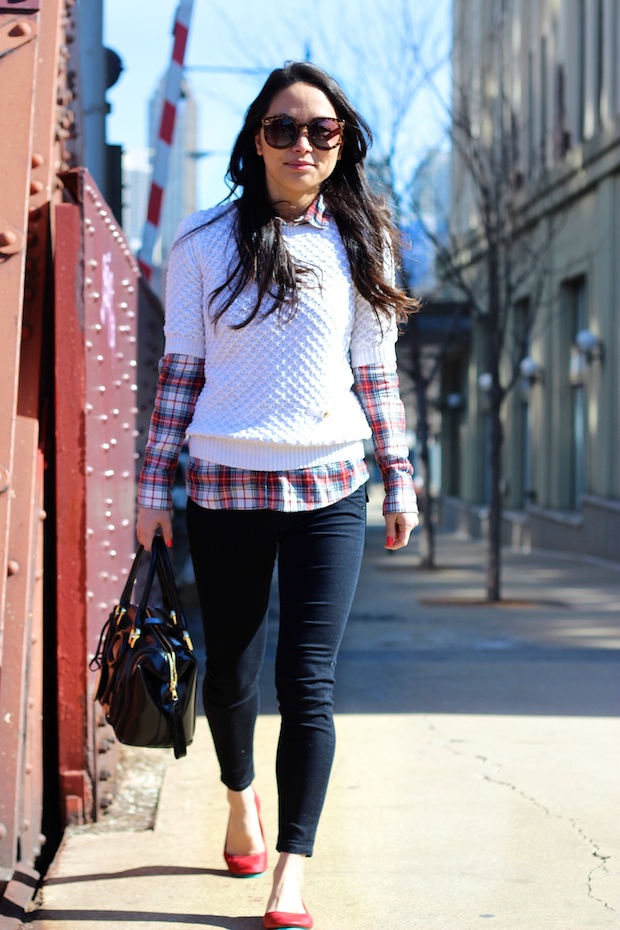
(96, 304)
(18, 64)
(34, 126)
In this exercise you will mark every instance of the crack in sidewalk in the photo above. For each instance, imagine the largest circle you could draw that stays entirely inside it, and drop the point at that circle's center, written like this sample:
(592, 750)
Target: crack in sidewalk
(595, 849)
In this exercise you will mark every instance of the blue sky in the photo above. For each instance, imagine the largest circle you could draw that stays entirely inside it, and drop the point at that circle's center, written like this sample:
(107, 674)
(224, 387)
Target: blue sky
(365, 44)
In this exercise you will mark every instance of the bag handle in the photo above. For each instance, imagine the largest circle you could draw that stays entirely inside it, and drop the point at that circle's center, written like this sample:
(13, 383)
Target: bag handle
(167, 583)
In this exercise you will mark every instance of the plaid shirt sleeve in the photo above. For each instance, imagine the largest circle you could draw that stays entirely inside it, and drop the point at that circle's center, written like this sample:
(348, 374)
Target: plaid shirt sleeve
(181, 378)
(376, 387)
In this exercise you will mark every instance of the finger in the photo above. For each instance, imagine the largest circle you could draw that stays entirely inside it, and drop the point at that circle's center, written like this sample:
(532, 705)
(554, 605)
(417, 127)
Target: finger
(390, 530)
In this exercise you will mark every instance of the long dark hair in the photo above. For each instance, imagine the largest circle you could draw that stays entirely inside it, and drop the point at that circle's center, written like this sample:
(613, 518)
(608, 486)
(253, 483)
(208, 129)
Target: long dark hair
(362, 218)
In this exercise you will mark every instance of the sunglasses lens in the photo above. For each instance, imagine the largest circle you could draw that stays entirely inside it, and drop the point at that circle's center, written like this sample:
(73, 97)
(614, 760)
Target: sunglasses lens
(324, 133)
(281, 132)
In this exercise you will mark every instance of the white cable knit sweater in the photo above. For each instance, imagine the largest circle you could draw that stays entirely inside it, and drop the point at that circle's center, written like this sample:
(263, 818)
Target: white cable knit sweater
(277, 393)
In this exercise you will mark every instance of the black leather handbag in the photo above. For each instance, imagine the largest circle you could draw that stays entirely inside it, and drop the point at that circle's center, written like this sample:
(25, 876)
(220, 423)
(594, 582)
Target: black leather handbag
(148, 671)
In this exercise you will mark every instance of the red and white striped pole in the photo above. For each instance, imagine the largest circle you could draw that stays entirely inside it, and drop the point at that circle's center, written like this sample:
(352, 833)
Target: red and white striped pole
(172, 93)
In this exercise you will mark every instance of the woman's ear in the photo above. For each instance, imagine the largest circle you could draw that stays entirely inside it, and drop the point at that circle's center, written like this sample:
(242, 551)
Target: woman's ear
(259, 146)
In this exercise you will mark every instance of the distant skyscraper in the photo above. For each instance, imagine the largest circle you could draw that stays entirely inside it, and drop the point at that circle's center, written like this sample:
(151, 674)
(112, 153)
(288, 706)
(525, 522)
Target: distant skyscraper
(136, 180)
(431, 195)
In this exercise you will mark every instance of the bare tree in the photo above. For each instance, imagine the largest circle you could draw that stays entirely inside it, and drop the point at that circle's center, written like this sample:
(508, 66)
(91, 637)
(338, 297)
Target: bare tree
(504, 256)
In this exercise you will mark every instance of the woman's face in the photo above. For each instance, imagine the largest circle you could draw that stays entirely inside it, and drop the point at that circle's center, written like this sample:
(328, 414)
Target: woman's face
(294, 175)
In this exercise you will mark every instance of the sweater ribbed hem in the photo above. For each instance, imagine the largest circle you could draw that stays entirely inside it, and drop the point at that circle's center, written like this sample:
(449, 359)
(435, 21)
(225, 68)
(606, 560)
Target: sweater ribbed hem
(270, 456)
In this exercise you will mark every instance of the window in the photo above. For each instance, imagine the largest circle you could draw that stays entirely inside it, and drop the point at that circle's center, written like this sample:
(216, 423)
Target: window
(543, 102)
(523, 492)
(581, 71)
(576, 293)
(600, 61)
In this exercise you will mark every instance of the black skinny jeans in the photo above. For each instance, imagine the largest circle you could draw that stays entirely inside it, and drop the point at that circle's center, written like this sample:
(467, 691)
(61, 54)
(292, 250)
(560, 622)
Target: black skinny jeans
(319, 555)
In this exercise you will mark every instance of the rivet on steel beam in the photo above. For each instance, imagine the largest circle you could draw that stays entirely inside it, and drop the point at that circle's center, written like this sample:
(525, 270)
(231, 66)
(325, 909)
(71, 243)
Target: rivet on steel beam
(20, 30)
(10, 241)
(12, 567)
(5, 479)
(37, 160)
(36, 187)
(28, 768)
(3, 831)
(125, 522)
(112, 553)
(93, 263)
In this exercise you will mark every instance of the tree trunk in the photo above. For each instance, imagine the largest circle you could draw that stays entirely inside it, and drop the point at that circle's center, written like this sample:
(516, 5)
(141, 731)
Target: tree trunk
(494, 562)
(427, 543)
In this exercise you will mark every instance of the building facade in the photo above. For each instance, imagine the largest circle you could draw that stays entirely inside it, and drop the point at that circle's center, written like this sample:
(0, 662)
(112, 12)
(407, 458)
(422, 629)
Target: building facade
(537, 87)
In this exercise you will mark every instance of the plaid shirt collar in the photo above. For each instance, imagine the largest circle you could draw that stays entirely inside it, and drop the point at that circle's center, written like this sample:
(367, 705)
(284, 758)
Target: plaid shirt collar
(317, 215)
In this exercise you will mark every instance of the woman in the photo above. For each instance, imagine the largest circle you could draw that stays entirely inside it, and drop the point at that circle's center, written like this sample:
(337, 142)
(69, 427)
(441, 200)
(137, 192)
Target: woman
(281, 316)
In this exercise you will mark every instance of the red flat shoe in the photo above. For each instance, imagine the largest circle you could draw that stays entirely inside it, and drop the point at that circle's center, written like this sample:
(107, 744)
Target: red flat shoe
(280, 920)
(248, 866)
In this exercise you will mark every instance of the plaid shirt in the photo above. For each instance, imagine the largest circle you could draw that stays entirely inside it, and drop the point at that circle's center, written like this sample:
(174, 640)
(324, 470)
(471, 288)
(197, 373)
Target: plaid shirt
(181, 378)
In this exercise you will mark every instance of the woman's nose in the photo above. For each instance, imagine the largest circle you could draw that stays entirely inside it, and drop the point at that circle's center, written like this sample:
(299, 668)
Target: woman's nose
(302, 142)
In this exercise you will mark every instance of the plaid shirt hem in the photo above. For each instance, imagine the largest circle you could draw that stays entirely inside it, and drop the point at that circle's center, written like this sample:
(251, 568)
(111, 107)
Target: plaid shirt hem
(221, 487)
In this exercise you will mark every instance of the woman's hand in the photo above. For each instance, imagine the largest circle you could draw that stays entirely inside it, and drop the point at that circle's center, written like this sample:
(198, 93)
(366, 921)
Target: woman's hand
(398, 527)
(149, 521)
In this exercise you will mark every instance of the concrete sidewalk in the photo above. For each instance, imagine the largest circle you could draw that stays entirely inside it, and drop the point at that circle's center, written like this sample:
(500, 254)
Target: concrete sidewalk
(476, 777)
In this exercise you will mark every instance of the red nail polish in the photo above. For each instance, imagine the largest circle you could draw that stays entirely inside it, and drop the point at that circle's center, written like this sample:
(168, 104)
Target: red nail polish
(169, 544)
(390, 541)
